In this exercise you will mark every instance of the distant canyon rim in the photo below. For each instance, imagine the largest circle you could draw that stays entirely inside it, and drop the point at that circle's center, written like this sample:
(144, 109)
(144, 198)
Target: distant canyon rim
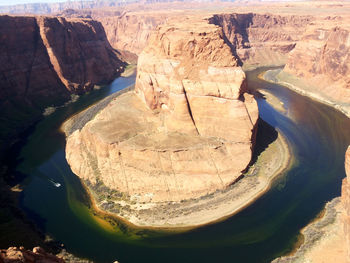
(189, 80)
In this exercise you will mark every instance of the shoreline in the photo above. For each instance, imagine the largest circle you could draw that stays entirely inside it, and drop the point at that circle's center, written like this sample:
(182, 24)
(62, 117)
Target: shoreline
(312, 95)
(322, 232)
(194, 213)
(322, 237)
(205, 210)
(214, 214)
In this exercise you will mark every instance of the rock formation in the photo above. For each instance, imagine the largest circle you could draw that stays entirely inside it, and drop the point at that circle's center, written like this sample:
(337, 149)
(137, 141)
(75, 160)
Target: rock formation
(19, 255)
(345, 198)
(262, 39)
(321, 60)
(185, 132)
(45, 59)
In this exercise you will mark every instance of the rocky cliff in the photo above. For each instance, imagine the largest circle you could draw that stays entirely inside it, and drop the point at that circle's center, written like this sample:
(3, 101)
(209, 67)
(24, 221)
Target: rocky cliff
(185, 132)
(262, 39)
(321, 60)
(345, 197)
(44, 60)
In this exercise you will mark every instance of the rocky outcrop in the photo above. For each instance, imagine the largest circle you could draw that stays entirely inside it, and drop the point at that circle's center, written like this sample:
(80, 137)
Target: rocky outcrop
(345, 198)
(185, 132)
(45, 59)
(321, 60)
(18, 255)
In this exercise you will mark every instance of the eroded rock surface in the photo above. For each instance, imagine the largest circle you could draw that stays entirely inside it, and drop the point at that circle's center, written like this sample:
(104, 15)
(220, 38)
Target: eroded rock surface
(45, 59)
(321, 59)
(185, 132)
(262, 39)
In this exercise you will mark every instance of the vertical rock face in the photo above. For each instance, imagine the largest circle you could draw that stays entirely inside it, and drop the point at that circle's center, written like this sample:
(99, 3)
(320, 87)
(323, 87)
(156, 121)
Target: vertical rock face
(345, 197)
(192, 77)
(262, 38)
(130, 32)
(186, 131)
(45, 59)
(322, 60)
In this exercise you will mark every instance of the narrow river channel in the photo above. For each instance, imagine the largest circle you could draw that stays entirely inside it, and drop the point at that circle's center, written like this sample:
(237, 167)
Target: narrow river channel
(269, 228)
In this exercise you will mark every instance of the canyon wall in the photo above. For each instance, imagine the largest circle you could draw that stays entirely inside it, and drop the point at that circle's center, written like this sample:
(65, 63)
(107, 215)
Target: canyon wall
(44, 60)
(130, 31)
(321, 60)
(262, 39)
(345, 198)
(186, 131)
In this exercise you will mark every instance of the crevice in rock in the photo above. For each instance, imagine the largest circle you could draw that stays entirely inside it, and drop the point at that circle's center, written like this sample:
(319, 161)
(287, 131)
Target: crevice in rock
(189, 108)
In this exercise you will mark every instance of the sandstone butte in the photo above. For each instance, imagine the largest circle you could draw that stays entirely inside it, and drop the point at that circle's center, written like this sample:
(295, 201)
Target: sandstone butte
(186, 130)
(314, 47)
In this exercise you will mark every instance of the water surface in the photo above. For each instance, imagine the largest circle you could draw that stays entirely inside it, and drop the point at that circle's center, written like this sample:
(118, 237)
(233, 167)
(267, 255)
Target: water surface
(318, 135)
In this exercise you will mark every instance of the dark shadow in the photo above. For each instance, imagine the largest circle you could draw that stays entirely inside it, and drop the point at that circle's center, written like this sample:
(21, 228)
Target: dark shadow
(266, 135)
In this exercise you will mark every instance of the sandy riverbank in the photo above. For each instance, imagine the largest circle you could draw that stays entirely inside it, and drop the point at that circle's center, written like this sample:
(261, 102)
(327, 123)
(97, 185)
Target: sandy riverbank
(275, 160)
(271, 163)
(291, 82)
(323, 239)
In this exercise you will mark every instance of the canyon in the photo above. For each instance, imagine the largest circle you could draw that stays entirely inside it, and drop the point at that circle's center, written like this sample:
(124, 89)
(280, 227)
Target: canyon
(46, 59)
(188, 129)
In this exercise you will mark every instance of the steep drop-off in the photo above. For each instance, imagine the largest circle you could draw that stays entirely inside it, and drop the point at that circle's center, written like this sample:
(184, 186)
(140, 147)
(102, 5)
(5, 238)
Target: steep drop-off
(44, 60)
(262, 39)
(321, 64)
(259, 39)
(185, 132)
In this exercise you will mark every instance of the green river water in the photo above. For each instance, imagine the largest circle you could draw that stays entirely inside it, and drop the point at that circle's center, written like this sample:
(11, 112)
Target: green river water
(268, 228)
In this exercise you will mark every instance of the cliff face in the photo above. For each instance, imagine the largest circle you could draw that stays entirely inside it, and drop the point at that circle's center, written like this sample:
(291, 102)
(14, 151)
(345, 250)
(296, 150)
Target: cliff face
(321, 59)
(345, 198)
(130, 32)
(185, 132)
(257, 38)
(262, 38)
(45, 59)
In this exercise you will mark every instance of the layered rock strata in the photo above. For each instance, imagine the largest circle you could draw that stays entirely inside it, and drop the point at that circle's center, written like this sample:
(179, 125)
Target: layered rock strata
(186, 131)
(45, 59)
(262, 39)
(321, 61)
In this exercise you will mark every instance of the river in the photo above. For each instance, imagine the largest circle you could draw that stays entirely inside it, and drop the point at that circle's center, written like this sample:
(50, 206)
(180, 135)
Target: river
(268, 228)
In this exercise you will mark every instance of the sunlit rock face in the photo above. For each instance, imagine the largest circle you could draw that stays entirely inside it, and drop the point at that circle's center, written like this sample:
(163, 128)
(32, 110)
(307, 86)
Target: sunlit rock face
(322, 62)
(186, 131)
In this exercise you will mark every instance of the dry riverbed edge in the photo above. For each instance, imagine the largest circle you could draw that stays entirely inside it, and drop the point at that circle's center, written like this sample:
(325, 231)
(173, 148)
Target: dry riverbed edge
(287, 80)
(190, 213)
(323, 239)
